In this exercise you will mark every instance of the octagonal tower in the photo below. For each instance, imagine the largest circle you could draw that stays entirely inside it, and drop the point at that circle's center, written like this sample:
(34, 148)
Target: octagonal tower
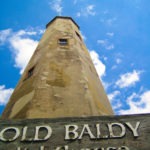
(60, 79)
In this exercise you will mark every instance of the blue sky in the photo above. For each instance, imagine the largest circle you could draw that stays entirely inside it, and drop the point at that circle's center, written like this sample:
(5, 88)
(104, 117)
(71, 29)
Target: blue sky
(116, 33)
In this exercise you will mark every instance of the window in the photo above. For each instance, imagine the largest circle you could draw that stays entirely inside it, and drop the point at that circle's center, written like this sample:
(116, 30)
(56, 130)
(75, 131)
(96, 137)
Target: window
(30, 72)
(78, 36)
(63, 42)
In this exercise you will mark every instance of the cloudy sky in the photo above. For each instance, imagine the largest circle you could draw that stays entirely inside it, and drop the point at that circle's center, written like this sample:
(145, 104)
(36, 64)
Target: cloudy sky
(116, 33)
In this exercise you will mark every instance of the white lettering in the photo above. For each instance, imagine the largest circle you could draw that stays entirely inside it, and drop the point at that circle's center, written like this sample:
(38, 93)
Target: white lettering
(24, 134)
(18, 148)
(17, 133)
(98, 130)
(64, 147)
(134, 130)
(111, 148)
(37, 129)
(86, 130)
(71, 132)
(42, 148)
(123, 148)
(111, 132)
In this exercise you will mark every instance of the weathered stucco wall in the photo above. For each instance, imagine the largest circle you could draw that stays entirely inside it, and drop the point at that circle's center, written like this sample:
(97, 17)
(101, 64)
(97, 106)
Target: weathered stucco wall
(62, 82)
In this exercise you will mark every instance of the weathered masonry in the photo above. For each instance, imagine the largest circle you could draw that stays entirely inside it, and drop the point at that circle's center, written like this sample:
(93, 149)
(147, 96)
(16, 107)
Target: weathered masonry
(60, 80)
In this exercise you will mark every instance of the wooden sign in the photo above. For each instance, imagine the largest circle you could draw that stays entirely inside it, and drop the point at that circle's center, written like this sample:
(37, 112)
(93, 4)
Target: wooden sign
(86, 133)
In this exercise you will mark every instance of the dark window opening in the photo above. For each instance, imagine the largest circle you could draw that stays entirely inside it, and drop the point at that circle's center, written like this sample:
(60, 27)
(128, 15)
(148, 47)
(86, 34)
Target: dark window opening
(78, 36)
(30, 72)
(63, 42)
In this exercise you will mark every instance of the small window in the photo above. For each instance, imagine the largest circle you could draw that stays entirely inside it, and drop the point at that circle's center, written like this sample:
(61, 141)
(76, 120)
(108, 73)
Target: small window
(78, 36)
(63, 42)
(30, 72)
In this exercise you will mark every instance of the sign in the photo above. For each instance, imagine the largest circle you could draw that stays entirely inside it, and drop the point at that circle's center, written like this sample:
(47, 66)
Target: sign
(86, 133)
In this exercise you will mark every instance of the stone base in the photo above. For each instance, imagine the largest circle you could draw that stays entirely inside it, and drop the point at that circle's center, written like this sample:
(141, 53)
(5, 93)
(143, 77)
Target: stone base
(89, 133)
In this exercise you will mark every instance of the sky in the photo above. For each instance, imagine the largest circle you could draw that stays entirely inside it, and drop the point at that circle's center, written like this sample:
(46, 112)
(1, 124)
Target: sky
(116, 33)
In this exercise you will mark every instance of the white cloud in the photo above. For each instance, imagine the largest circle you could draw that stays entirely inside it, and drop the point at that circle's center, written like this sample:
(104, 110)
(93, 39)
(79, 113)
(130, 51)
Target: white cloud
(87, 11)
(138, 104)
(128, 79)
(100, 67)
(56, 5)
(22, 45)
(114, 67)
(105, 58)
(109, 47)
(4, 94)
(78, 14)
(41, 31)
(4, 35)
(24, 32)
(23, 49)
(117, 105)
(114, 98)
(111, 21)
(106, 85)
(110, 34)
(113, 95)
(90, 10)
(106, 44)
(118, 60)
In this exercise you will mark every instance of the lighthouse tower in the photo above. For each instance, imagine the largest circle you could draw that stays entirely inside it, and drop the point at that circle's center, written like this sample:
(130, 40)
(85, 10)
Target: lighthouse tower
(60, 79)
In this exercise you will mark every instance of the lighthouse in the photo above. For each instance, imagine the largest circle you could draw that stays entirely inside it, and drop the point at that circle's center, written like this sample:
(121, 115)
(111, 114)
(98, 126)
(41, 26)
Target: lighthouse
(60, 79)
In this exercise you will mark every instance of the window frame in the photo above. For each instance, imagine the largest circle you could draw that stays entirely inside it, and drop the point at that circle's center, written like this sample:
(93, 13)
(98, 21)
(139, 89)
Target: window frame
(63, 41)
(78, 35)
(29, 73)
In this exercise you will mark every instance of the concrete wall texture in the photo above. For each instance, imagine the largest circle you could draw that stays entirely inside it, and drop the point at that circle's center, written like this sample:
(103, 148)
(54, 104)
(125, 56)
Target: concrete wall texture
(60, 79)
